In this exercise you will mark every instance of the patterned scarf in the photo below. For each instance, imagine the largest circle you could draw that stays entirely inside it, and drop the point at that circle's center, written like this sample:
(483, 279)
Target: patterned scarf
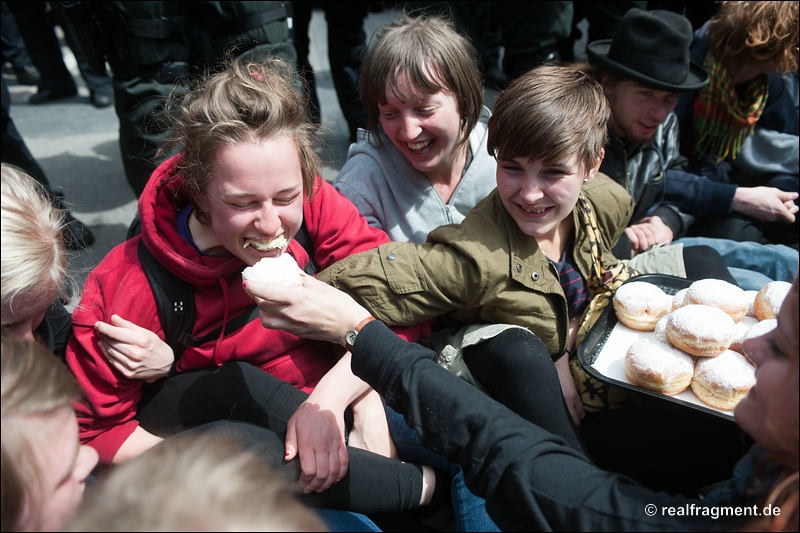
(722, 121)
(605, 279)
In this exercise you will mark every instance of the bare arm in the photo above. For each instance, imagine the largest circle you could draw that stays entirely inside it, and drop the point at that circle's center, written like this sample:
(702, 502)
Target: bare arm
(571, 396)
(139, 442)
(316, 430)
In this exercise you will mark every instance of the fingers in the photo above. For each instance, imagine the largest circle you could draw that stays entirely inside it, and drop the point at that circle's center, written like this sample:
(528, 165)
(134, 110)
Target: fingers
(641, 237)
(633, 237)
(290, 445)
(790, 212)
(267, 293)
(118, 330)
(121, 322)
(344, 464)
(319, 470)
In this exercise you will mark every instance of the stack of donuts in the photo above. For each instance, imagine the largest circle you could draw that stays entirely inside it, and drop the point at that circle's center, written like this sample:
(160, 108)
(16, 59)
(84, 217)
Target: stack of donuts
(698, 336)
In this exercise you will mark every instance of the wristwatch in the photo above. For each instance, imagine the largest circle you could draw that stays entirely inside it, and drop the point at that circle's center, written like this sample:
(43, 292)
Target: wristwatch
(352, 333)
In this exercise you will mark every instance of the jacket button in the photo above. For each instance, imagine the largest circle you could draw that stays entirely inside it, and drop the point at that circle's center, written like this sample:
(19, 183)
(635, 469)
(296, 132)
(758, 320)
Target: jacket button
(535, 276)
(392, 256)
(519, 267)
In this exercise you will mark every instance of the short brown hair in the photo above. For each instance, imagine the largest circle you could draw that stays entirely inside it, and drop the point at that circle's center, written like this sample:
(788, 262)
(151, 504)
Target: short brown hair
(245, 100)
(433, 56)
(550, 113)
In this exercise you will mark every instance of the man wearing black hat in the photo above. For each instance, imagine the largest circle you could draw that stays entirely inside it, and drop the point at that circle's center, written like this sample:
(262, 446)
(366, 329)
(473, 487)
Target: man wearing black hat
(643, 70)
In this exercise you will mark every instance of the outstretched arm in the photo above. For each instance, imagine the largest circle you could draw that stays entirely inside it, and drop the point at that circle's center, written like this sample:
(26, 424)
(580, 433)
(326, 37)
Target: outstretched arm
(529, 476)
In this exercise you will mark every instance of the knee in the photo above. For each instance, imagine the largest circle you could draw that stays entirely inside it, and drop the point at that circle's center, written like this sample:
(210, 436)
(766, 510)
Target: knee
(516, 347)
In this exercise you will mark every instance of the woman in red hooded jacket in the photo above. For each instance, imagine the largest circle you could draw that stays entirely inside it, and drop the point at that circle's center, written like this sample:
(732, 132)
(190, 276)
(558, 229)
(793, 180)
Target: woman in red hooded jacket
(244, 183)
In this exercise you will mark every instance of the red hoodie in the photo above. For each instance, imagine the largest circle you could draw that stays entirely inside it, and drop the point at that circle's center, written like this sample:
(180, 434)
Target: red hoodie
(118, 285)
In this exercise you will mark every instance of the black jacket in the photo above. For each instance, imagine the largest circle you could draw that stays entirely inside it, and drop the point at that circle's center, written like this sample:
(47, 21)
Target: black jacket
(531, 479)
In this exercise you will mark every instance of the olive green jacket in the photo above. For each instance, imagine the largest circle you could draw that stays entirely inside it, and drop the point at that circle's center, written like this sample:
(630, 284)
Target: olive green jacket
(486, 270)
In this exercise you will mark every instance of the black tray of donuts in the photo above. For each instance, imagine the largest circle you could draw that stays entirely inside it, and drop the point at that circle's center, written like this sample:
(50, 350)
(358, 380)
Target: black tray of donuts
(679, 340)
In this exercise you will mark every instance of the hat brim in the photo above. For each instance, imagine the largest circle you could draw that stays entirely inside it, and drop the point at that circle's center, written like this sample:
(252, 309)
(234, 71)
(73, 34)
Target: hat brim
(598, 51)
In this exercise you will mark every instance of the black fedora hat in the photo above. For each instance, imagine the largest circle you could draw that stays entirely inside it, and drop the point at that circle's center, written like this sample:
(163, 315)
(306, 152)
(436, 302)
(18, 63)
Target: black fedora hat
(651, 48)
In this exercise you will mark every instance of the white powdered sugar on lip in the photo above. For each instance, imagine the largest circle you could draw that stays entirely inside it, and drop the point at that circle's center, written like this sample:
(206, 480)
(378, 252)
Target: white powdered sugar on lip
(281, 270)
(278, 243)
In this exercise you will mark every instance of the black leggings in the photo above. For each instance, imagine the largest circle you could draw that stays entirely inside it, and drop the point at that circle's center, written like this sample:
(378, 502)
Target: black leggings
(253, 407)
(515, 369)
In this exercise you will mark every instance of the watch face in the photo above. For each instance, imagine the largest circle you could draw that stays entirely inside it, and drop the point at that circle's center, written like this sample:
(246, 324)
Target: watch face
(350, 338)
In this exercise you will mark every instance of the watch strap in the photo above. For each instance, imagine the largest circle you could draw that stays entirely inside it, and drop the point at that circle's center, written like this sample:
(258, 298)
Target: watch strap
(351, 334)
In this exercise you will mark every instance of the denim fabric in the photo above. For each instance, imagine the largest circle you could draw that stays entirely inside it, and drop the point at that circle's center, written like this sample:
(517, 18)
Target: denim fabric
(469, 511)
(336, 520)
(753, 265)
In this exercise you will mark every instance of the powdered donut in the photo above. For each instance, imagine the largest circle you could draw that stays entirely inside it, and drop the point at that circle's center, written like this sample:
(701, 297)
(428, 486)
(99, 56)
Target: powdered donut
(751, 297)
(760, 328)
(677, 300)
(720, 294)
(660, 330)
(740, 331)
(757, 330)
(659, 367)
(724, 380)
(639, 305)
(700, 330)
(281, 270)
(770, 298)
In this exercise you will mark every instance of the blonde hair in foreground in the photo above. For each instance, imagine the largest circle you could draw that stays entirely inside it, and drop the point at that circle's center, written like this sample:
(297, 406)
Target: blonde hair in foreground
(34, 383)
(34, 256)
(198, 482)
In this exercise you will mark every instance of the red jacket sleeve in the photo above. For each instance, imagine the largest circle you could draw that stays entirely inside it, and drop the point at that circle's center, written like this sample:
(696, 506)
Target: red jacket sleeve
(117, 285)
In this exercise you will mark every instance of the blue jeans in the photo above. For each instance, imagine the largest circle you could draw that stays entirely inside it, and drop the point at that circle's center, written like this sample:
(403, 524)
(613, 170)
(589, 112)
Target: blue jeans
(469, 511)
(753, 265)
(336, 520)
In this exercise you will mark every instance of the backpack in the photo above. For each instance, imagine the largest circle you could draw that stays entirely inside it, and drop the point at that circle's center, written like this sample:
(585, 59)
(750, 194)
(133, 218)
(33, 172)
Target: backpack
(175, 300)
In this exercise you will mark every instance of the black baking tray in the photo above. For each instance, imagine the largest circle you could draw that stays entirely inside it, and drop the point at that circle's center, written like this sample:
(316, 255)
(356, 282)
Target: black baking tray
(593, 343)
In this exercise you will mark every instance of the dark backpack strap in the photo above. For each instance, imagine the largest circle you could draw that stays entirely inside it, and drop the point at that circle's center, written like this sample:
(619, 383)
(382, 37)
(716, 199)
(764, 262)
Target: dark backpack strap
(174, 299)
(305, 241)
(176, 309)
